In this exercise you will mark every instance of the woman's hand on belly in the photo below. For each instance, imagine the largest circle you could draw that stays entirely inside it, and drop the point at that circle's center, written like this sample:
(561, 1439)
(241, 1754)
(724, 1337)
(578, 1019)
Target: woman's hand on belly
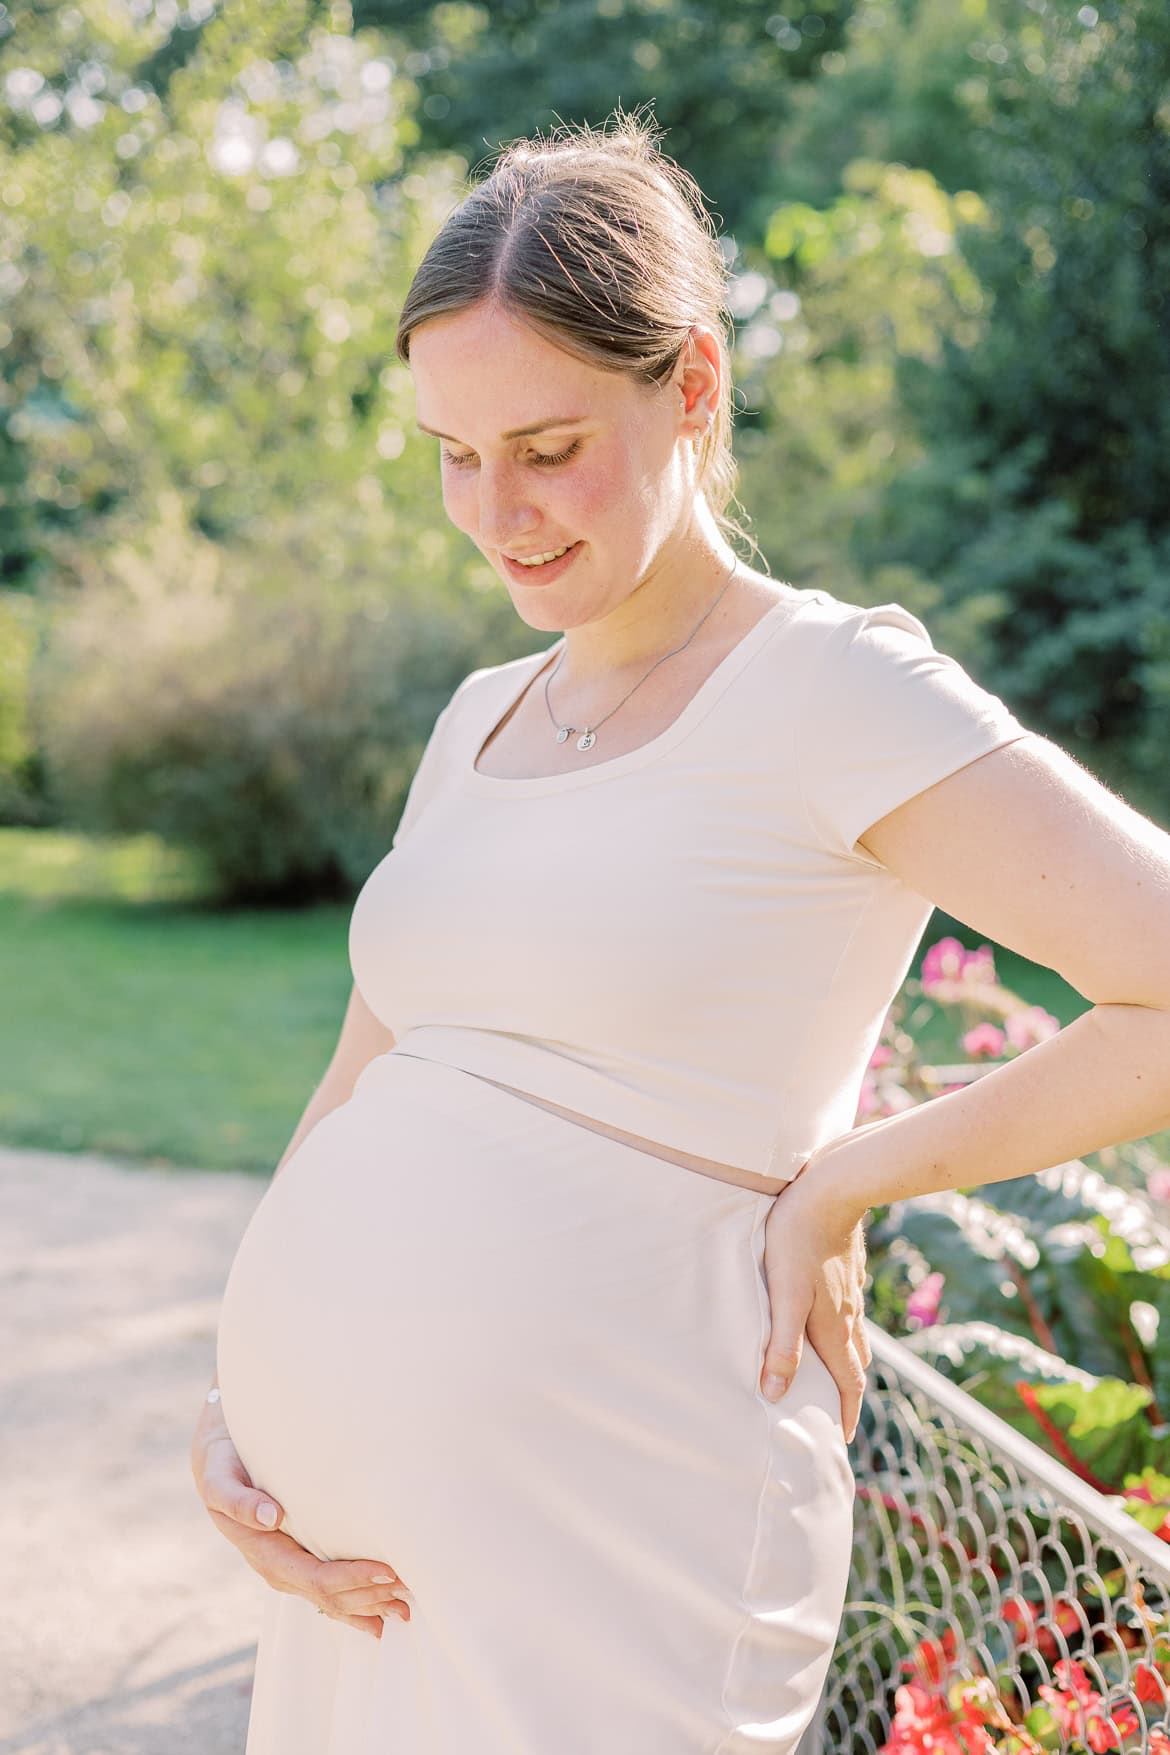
(815, 1268)
(358, 1592)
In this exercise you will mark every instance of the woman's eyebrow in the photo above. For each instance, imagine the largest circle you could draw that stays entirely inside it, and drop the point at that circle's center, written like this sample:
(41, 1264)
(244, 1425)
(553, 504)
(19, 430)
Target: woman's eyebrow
(560, 420)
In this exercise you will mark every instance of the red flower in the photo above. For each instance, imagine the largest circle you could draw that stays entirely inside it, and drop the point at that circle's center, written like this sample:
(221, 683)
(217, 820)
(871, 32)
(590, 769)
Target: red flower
(1022, 1617)
(1104, 1728)
(1149, 1685)
(926, 1722)
(1026, 1619)
(932, 1658)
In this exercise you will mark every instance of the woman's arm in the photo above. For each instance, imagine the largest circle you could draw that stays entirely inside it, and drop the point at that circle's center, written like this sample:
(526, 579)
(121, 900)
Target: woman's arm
(363, 1037)
(1032, 850)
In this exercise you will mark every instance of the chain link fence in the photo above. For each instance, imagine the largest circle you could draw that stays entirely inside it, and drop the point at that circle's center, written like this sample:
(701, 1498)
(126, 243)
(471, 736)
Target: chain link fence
(972, 1539)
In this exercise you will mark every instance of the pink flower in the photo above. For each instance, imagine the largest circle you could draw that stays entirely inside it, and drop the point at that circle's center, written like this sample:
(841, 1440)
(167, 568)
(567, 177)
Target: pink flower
(1080, 1711)
(943, 962)
(923, 1302)
(1076, 1679)
(979, 967)
(947, 961)
(1029, 1025)
(986, 1039)
(1158, 1184)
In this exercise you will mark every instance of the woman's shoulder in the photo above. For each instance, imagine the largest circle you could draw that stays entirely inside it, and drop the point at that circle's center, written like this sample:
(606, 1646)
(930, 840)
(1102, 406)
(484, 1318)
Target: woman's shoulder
(482, 686)
(822, 610)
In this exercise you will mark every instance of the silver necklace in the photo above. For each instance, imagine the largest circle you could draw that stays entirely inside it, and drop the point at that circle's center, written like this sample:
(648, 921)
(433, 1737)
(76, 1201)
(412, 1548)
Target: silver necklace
(589, 736)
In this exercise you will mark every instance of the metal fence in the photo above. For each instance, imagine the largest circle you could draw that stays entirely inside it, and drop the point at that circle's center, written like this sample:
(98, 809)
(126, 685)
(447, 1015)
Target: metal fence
(968, 1535)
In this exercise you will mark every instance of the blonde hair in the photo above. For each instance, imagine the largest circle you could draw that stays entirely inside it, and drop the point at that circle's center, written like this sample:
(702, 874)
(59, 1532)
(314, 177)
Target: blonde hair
(602, 244)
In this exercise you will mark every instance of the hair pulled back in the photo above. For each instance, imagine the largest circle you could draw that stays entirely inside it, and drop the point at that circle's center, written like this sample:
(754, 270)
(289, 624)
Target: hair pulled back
(602, 244)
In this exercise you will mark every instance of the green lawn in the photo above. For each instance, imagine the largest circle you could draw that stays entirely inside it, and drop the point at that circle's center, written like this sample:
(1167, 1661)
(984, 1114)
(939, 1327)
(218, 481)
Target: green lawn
(138, 1022)
(142, 1023)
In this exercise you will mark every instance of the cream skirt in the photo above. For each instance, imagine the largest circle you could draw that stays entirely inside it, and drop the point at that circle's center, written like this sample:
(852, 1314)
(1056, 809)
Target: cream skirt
(520, 1361)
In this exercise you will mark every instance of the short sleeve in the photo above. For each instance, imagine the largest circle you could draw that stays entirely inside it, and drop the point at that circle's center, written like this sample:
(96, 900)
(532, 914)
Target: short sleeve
(886, 716)
(430, 764)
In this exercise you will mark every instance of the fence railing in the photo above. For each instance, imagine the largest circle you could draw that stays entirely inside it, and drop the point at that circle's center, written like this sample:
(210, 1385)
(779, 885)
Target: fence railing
(968, 1535)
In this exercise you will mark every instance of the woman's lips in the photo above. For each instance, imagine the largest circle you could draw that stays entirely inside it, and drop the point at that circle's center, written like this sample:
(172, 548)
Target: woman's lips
(545, 574)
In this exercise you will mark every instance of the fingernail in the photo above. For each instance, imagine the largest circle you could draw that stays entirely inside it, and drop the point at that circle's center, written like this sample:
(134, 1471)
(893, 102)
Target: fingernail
(774, 1386)
(267, 1514)
(383, 1578)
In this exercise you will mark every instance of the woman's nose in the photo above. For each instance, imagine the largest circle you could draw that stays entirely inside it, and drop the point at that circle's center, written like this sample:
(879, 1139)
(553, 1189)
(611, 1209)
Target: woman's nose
(506, 519)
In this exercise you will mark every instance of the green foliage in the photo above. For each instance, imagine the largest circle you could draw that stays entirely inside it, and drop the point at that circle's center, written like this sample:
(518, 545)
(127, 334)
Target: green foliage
(20, 620)
(1089, 1423)
(257, 604)
(202, 292)
(1051, 1272)
(721, 78)
(271, 732)
(1042, 497)
(949, 225)
(970, 416)
(869, 281)
(1049, 1294)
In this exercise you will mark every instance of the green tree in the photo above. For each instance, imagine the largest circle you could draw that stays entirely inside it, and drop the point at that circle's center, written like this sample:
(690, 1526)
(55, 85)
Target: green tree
(721, 78)
(204, 291)
(1041, 498)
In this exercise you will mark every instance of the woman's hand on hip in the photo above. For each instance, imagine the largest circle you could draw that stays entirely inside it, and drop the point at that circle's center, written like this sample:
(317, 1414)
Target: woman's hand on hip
(814, 1261)
(358, 1592)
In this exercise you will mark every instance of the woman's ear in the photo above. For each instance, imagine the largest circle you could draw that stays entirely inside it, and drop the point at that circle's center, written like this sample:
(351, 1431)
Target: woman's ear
(698, 379)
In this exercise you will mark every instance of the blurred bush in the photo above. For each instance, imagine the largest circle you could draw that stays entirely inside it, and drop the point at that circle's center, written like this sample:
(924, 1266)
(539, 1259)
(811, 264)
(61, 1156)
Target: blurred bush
(271, 726)
(20, 800)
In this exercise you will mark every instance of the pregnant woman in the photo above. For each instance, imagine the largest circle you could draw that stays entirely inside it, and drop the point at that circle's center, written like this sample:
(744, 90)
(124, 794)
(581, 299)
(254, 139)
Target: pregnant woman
(496, 1350)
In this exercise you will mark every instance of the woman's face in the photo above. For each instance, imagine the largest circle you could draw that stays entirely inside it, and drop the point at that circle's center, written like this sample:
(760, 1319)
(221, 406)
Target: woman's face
(614, 474)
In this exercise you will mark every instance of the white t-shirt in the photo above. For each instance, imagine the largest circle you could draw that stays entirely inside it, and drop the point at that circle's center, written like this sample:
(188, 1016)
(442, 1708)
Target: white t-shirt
(683, 941)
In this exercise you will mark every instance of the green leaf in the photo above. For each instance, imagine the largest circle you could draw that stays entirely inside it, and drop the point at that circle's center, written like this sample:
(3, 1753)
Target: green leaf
(971, 1245)
(1103, 1426)
(1101, 1419)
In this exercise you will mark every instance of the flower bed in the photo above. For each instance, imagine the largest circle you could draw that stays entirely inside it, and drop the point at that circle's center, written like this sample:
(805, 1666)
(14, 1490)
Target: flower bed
(1007, 1626)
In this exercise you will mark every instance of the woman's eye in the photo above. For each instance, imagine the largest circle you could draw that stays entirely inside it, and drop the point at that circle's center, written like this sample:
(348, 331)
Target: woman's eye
(558, 456)
(538, 457)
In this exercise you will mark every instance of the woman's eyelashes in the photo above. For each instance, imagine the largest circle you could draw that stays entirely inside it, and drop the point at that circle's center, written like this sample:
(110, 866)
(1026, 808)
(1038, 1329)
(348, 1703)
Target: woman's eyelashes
(538, 457)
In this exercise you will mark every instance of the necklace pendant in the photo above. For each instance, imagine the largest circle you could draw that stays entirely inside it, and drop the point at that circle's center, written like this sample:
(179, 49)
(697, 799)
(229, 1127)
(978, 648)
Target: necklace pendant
(587, 740)
(563, 733)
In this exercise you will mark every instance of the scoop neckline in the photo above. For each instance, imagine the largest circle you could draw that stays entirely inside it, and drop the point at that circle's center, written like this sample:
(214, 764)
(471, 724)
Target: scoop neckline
(704, 697)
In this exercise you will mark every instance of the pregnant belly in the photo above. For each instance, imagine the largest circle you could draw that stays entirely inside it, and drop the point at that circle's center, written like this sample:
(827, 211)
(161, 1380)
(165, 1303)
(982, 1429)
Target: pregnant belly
(445, 1283)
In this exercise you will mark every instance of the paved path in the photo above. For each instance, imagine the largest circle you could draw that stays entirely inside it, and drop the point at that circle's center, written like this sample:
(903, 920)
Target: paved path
(127, 1624)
